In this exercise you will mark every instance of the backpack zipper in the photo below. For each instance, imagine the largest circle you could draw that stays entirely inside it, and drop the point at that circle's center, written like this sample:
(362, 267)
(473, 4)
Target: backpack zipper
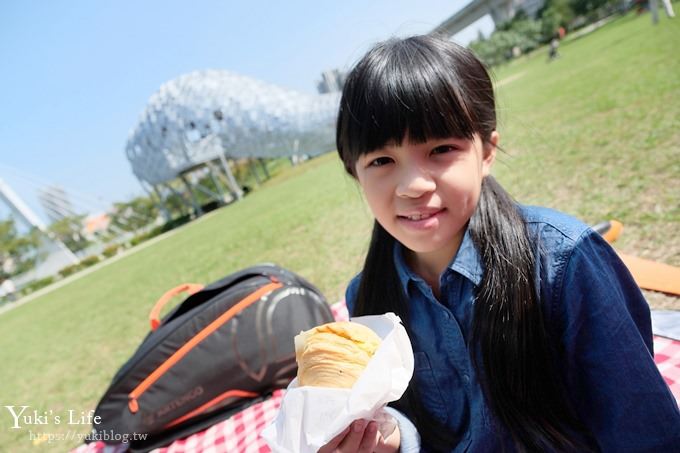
(211, 403)
(143, 386)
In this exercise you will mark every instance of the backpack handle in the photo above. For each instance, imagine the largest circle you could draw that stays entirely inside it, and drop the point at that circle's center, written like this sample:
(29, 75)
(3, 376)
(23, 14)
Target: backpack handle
(154, 315)
(609, 230)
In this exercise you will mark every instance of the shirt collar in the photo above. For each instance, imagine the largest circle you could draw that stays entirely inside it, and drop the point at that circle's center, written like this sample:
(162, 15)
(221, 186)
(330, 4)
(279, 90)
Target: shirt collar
(467, 263)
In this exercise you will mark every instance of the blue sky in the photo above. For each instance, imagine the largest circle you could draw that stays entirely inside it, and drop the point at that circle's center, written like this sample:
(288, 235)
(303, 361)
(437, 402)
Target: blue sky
(76, 74)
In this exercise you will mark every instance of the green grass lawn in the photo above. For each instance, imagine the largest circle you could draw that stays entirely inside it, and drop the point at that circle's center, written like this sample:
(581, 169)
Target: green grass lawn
(595, 133)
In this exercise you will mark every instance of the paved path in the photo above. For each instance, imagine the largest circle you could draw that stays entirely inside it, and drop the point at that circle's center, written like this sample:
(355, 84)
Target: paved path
(507, 80)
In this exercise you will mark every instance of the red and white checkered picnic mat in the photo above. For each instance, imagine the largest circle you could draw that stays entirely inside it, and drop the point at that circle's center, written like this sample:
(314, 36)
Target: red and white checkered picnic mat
(667, 358)
(241, 433)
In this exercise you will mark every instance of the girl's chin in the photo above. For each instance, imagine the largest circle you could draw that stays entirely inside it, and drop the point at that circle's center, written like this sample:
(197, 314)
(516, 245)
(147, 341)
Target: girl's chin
(425, 251)
(433, 246)
(421, 248)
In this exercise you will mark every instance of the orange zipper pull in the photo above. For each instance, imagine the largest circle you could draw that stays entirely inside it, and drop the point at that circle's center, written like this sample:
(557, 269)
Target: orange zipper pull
(132, 404)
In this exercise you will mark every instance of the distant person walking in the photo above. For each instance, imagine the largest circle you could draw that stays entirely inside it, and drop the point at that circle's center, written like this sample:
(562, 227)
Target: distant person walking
(552, 51)
(668, 6)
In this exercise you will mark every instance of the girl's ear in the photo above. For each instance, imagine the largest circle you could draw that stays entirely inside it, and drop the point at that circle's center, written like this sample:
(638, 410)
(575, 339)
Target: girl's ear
(489, 153)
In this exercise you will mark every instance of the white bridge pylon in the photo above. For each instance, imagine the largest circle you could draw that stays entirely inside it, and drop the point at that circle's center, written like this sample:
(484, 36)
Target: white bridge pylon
(57, 255)
(499, 10)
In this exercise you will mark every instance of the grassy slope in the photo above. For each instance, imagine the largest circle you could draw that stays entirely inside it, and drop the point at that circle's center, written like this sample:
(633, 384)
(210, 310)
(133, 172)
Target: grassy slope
(595, 133)
(606, 148)
(63, 348)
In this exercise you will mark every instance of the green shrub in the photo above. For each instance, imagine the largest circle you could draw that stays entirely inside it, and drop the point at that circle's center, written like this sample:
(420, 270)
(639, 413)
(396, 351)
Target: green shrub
(111, 250)
(138, 239)
(174, 223)
(89, 261)
(68, 270)
(36, 285)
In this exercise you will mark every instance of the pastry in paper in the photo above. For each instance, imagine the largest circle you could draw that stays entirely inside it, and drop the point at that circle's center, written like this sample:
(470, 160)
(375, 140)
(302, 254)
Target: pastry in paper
(334, 354)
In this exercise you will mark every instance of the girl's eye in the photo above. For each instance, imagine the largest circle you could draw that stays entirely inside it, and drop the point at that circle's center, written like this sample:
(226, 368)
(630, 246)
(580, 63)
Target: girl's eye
(444, 149)
(380, 161)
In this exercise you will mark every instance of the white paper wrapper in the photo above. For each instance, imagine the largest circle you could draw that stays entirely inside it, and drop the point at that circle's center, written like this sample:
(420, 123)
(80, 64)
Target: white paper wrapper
(309, 417)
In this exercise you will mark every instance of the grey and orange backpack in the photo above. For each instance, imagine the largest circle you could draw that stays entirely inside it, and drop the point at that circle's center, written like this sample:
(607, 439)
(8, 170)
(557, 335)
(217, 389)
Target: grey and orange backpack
(226, 346)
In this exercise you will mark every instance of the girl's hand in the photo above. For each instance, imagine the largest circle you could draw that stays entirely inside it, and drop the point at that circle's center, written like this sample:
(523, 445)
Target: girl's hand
(363, 437)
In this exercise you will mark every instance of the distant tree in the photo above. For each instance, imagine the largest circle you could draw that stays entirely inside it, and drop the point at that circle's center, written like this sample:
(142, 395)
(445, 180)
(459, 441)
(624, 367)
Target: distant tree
(17, 252)
(176, 205)
(563, 8)
(586, 7)
(69, 230)
(519, 16)
(524, 34)
(134, 214)
(527, 34)
(553, 15)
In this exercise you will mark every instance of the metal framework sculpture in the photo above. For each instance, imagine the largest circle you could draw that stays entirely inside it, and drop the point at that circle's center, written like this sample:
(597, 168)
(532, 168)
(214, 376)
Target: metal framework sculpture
(201, 119)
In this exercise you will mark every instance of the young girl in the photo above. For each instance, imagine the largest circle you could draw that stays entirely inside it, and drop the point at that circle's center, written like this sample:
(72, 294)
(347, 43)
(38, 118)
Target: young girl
(529, 334)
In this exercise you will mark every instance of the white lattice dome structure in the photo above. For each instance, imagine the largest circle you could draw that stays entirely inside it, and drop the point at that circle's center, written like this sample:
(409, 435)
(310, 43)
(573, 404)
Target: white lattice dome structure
(204, 115)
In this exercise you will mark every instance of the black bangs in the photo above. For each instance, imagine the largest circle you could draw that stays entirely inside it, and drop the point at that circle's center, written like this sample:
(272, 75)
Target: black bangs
(408, 86)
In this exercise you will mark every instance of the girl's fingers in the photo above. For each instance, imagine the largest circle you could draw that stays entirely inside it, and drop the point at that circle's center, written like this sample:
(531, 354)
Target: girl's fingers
(370, 439)
(334, 442)
(360, 437)
(353, 438)
(390, 444)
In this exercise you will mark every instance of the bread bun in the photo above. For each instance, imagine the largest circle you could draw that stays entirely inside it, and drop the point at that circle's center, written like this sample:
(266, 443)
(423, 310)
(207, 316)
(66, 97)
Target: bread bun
(334, 354)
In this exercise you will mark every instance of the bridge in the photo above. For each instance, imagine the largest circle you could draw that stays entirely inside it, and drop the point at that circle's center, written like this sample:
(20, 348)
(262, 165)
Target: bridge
(499, 10)
(53, 253)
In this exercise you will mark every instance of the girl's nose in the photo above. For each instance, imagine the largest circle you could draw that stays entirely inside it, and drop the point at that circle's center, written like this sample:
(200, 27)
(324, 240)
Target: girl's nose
(415, 183)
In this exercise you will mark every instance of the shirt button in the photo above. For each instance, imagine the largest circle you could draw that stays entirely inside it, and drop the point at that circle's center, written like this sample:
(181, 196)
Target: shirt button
(466, 379)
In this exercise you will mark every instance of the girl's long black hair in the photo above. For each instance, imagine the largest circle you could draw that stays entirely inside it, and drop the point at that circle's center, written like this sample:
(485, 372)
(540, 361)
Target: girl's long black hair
(433, 88)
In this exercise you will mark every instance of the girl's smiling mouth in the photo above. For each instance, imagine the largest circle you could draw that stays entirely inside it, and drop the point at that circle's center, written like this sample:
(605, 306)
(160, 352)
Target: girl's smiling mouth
(420, 220)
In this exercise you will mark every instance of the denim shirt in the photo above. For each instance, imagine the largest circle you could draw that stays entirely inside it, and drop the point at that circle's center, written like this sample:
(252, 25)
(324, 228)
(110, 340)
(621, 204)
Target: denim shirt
(596, 317)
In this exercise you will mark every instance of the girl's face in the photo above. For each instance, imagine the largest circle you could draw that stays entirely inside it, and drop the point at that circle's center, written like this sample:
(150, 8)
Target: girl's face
(424, 194)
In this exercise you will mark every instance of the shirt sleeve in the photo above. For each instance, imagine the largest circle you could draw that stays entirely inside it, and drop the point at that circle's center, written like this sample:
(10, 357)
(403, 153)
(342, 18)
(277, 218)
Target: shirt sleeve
(410, 439)
(607, 350)
(351, 294)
